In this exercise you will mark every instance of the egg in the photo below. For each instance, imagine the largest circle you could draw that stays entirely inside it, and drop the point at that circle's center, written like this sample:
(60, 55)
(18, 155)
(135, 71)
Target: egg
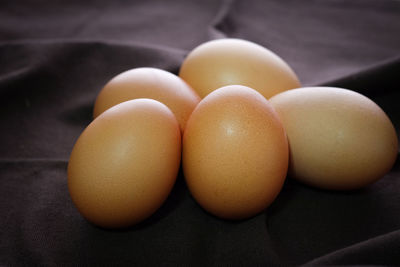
(229, 61)
(152, 83)
(338, 139)
(125, 163)
(235, 153)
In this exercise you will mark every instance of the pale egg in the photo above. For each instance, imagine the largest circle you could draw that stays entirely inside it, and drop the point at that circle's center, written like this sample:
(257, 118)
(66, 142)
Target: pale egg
(338, 139)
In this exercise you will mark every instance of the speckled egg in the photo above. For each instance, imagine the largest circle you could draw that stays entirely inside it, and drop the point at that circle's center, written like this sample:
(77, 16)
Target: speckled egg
(235, 153)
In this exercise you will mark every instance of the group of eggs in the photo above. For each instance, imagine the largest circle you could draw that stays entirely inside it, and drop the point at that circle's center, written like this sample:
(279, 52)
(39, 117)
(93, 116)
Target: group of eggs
(238, 121)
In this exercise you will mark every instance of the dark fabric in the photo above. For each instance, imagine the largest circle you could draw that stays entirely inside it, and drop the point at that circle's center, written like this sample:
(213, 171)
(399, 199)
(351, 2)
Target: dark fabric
(55, 56)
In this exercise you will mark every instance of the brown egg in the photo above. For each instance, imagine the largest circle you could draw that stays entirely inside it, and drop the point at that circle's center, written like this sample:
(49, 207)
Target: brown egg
(235, 153)
(152, 83)
(224, 62)
(338, 139)
(125, 163)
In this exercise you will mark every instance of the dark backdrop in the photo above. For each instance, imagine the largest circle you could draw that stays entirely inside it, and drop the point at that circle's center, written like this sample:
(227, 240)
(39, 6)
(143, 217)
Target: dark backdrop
(56, 55)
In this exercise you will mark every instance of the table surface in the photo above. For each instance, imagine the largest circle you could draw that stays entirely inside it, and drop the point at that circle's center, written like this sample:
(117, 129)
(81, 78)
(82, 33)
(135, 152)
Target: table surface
(56, 56)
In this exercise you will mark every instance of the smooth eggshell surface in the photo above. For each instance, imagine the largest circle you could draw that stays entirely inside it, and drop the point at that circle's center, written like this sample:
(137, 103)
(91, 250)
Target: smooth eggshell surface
(224, 62)
(125, 163)
(152, 83)
(235, 153)
(338, 139)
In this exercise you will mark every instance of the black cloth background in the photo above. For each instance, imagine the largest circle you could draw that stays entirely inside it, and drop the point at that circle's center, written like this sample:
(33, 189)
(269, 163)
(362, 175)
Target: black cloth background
(55, 56)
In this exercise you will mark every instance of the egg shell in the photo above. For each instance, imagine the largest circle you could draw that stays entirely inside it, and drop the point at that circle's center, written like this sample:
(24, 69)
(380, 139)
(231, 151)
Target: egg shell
(338, 138)
(235, 153)
(152, 83)
(232, 61)
(125, 163)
